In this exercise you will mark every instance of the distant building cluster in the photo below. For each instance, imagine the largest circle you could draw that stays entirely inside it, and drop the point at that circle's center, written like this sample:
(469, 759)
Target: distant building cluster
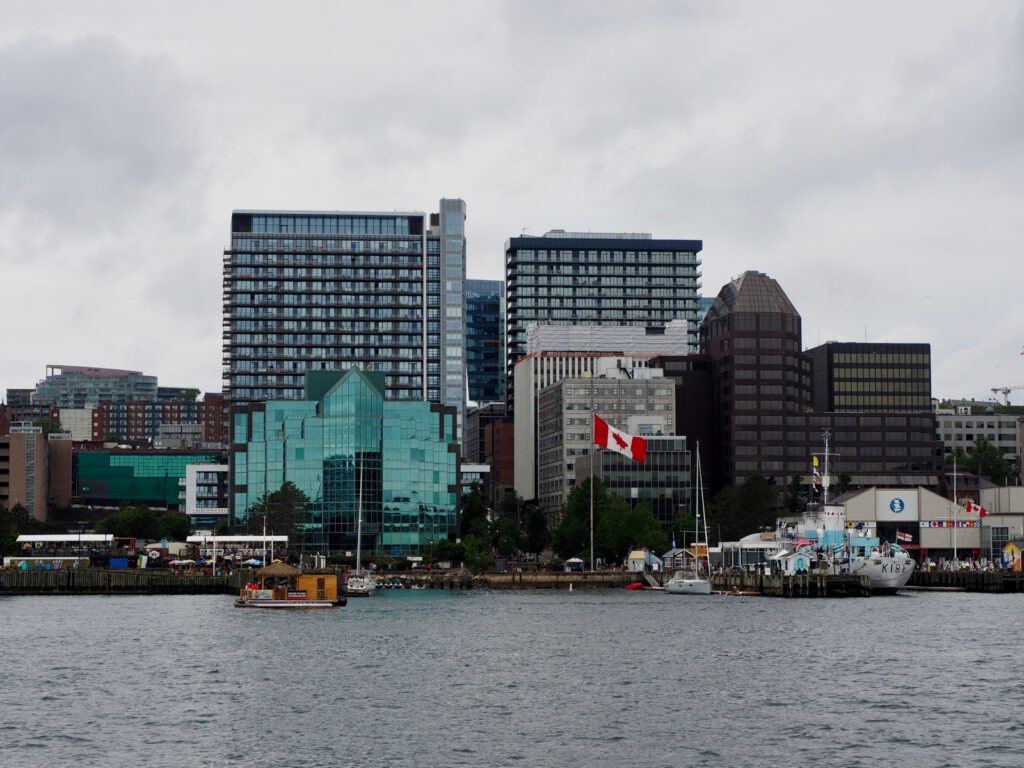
(361, 365)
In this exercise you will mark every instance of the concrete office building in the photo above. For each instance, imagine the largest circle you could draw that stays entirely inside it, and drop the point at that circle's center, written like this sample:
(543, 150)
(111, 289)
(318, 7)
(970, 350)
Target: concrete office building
(870, 377)
(485, 340)
(960, 427)
(532, 374)
(474, 434)
(82, 423)
(23, 469)
(673, 338)
(637, 400)
(573, 278)
(203, 492)
(312, 291)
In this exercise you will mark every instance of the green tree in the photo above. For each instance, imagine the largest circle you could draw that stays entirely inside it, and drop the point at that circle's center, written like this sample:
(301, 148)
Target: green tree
(506, 536)
(739, 510)
(448, 551)
(221, 528)
(174, 527)
(618, 526)
(473, 514)
(113, 437)
(281, 510)
(49, 425)
(537, 534)
(572, 537)
(188, 395)
(985, 460)
(13, 522)
(796, 498)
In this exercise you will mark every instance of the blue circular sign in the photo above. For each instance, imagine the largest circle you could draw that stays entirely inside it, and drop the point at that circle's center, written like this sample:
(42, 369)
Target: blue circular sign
(897, 505)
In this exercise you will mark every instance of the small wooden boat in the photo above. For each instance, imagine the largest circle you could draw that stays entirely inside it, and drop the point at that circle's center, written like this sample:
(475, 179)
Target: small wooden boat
(282, 586)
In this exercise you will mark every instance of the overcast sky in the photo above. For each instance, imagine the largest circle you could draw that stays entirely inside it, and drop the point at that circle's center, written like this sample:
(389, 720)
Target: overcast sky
(870, 156)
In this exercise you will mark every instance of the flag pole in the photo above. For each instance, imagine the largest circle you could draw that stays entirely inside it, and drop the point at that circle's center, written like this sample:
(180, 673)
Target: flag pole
(593, 474)
(956, 559)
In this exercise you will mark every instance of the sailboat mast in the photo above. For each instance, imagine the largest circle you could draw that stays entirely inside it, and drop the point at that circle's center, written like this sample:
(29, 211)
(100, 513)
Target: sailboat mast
(359, 520)
(702, 512)
(826, 477)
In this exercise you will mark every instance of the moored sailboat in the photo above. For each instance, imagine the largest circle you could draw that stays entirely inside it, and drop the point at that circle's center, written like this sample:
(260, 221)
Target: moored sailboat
(695, 579)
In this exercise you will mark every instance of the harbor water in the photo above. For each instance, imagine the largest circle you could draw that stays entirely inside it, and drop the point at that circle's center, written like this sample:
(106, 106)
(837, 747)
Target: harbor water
(538, 678)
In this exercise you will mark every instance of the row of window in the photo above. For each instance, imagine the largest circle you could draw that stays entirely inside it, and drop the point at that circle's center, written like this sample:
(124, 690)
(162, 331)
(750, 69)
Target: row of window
(317, 273)
(333, 224)
(604, 257)
(881, 358)
(379, 326)
(276, 251)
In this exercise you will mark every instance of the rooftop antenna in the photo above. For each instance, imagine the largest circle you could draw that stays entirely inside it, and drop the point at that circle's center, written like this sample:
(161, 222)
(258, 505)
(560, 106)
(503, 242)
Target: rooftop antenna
(523, 231)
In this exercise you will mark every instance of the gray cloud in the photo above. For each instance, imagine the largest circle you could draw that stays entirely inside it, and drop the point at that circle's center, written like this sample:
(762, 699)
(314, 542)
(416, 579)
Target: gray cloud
(869, 157)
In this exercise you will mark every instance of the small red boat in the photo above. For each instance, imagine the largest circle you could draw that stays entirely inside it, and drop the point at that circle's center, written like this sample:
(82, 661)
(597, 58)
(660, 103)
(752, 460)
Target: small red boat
(634, 586)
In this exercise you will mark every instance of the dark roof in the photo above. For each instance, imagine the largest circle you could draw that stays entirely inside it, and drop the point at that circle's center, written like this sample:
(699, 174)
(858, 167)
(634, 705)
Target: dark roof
(751, 292)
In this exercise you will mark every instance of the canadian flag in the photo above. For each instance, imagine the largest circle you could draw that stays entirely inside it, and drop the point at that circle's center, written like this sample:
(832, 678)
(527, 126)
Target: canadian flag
(609, 437)
(973, 508)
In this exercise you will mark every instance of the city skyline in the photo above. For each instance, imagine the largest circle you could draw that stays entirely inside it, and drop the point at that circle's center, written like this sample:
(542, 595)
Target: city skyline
(859, 163)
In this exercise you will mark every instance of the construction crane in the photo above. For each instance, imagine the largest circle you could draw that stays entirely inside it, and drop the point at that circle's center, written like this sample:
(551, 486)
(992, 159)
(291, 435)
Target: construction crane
(1005, 392)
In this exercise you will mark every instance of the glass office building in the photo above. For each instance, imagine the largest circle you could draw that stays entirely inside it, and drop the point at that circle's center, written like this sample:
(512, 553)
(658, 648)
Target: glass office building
(312, 291)
(662, 482)
(591, 278)
(111, 478)
(350, 449)
(485, 340)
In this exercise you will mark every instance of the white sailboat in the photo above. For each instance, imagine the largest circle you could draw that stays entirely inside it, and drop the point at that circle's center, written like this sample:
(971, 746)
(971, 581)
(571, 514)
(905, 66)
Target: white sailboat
(360, 584)
(694, 580)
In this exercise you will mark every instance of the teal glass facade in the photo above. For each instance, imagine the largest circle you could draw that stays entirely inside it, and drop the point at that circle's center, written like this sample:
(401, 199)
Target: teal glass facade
(350, 444)
(109, 478)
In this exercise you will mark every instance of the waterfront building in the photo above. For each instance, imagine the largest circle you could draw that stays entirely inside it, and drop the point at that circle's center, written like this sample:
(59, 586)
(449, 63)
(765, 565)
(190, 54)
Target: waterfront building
(672, 338)
(203, 493)
(617, 279)
(752, 334)
(180, 436)
(924, 522)
(76, 386)
(852, 376)
(478, 475)
(1004, 521)
(663, 482)
(350, 448)
(319, 291)
(962, 427)
(532, 374)
(59, 464)
(499, 455)
(82, 423)
(474, 434)
(485, 340)
(23, 469)
(20, 407)
(762, 397)
(109, 478)
(637, 400)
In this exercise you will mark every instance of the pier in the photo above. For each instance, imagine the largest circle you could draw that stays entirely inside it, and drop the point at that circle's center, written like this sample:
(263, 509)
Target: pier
(806, 585)
(967, 581)
(97, 581)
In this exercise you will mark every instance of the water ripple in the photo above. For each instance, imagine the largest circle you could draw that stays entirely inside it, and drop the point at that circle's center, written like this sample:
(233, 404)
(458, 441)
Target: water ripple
(538, 678)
